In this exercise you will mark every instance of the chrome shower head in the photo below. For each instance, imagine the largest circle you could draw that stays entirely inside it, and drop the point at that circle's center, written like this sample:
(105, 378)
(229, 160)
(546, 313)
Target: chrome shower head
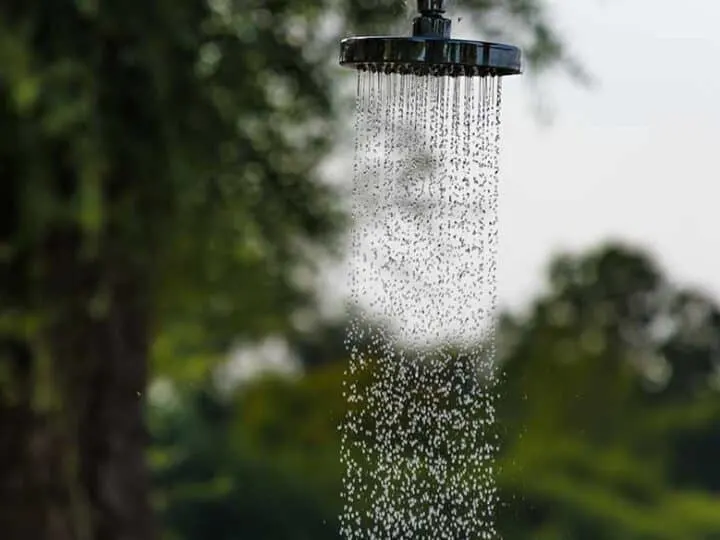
(430, 50)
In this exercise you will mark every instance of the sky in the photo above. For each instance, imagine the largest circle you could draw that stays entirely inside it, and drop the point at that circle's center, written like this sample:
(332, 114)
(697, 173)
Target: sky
(634, 157)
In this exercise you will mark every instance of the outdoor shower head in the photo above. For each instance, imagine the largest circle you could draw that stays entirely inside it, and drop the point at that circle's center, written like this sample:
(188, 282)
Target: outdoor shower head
(430, 50)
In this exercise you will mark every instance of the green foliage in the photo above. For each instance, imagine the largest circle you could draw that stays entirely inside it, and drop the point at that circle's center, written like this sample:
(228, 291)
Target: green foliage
(159, 189)
(262, 463)
(185, 137)
(592, 429)
(590, 449)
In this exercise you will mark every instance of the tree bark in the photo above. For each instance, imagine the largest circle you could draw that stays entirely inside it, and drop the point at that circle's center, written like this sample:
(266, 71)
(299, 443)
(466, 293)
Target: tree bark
(72, 438)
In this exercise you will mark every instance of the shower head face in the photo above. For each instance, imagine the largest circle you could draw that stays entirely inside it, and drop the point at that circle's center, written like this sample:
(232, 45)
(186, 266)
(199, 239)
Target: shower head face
(430, 50)
(421, 55)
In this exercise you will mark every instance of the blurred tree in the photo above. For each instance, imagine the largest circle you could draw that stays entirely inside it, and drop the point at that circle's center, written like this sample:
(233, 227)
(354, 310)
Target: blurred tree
(159, 191)
(596, 445)
(260, 463)
(609, 388)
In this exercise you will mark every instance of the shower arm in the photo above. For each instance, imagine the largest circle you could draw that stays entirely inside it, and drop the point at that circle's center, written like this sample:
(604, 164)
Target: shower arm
(431, 23)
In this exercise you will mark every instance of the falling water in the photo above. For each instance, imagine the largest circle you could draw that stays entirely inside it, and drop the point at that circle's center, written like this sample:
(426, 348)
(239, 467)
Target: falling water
(418, 440)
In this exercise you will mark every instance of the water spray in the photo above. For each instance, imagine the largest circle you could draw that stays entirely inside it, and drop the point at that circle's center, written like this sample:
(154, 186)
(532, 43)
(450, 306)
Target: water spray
(419, 438)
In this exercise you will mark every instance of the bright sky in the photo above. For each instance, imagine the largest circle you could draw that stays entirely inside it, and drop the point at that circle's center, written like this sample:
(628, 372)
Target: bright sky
(636, 157)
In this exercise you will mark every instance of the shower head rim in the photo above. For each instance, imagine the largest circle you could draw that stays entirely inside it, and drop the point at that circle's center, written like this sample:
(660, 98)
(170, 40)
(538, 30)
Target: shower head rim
(430, 56)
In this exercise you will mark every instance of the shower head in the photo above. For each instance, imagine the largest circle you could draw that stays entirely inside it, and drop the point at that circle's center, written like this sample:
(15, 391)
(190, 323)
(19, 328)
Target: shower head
(430, 50)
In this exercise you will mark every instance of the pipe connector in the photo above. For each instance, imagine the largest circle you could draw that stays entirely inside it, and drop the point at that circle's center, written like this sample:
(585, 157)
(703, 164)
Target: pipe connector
(431, 7)
(431, 23)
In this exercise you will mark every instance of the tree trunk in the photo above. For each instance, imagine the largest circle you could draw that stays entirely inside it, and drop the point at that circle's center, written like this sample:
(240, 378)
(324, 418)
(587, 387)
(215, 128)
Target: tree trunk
(72, 438)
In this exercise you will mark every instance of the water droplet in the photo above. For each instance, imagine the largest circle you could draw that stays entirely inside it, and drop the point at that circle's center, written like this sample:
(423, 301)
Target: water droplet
(418, 439)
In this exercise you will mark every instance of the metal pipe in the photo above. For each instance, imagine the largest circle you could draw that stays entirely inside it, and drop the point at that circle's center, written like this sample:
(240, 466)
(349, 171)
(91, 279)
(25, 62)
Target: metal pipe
(431, 7)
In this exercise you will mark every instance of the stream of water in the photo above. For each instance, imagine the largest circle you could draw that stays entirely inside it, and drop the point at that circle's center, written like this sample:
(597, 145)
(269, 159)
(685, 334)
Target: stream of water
(419, 438)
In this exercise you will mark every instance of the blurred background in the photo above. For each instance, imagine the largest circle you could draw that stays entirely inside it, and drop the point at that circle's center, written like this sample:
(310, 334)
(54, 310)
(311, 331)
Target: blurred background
(173, 196)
